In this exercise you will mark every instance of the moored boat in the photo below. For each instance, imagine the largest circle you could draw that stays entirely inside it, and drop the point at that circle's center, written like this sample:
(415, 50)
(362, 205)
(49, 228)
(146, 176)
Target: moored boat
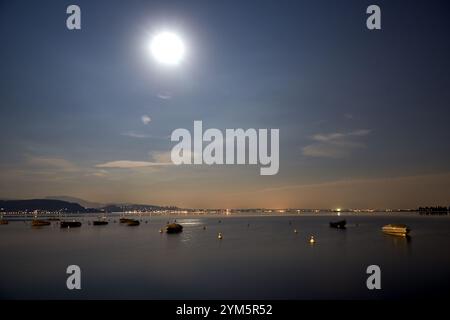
(125, 220)
(396, 229)
(70, 224)
(338, 224)
(3, 221)
(132, 223)
(40, 223)
(100, 222)
(174, 228)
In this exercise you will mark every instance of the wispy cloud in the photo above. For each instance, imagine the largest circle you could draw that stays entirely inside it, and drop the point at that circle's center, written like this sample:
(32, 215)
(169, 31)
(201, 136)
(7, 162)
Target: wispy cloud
(164, 96)
(161, 157)
(146, 119)
(335, 145)
(330, 137)
(140, 135)
(98, 173)
(137, 135)
(158, 159)
(59, 168)
(128, 164)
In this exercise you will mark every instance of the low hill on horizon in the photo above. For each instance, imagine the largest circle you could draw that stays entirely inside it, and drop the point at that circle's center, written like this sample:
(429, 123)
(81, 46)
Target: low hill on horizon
(72, 206)
(40, 204)
(81, 202)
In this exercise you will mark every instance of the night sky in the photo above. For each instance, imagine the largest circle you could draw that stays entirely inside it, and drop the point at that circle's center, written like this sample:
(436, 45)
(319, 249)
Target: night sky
(363, 115)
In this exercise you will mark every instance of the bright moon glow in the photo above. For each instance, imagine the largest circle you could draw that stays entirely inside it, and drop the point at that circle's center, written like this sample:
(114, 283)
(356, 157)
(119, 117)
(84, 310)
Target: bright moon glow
(167, 48)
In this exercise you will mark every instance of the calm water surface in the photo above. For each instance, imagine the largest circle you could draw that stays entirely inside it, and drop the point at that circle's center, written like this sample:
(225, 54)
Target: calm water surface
(263, 260)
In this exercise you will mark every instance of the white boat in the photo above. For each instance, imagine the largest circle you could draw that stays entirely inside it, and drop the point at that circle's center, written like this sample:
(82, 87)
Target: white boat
(396, 229)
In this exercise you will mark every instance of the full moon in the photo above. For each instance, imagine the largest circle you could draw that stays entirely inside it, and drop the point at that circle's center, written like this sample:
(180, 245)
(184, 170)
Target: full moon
(167, 48)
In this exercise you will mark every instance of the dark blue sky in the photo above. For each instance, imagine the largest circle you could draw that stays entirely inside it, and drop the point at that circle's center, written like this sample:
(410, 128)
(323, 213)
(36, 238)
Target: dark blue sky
(363, 115)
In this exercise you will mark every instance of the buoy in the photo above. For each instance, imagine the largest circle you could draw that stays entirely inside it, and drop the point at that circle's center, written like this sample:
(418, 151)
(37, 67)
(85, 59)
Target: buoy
(204, 227)
(160, 230)
(295, 231)
(311, 240)
(220, 236)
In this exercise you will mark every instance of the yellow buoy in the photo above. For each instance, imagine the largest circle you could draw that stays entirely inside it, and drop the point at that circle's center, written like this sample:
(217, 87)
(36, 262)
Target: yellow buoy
(220, 236)
(311, 240)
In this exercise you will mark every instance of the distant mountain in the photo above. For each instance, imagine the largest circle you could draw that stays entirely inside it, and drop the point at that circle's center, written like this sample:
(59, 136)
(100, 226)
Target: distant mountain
(54, 205)
(81, 202)
(40, 204)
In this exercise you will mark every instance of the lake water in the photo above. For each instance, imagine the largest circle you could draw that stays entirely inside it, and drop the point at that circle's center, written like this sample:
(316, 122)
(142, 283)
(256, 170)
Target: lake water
(263, 260)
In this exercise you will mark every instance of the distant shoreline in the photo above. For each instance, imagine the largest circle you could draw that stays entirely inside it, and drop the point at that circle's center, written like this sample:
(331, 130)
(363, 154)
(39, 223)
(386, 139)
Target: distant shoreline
(29, 216)
(61, 207)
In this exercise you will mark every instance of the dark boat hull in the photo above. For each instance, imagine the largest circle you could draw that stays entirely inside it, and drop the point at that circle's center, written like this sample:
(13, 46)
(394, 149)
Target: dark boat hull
(70, 224)
(174, 228)
(40, 223)
(338, 224)
(133, 223)
(100, 223)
